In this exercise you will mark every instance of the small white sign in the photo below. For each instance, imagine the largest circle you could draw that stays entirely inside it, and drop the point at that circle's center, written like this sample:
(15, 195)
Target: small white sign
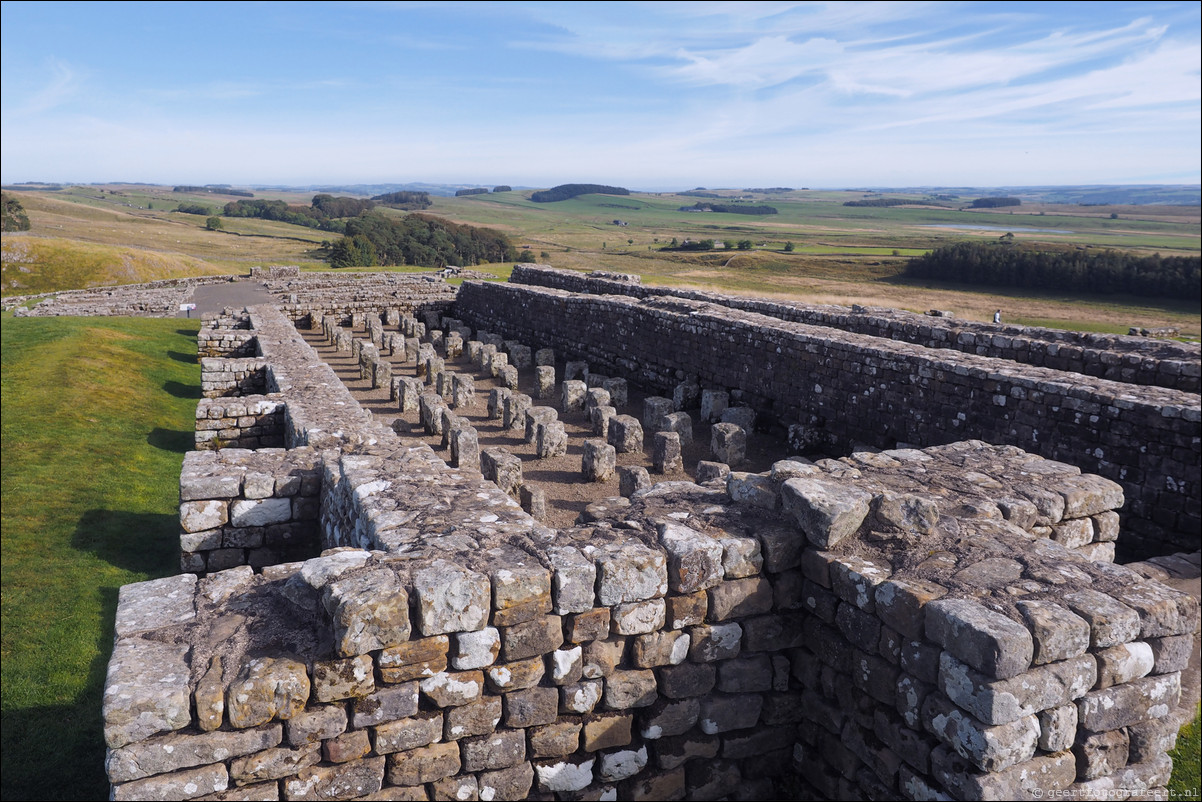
(186, 307)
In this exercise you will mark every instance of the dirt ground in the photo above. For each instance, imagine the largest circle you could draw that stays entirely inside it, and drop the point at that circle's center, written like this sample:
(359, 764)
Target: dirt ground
(560, 478)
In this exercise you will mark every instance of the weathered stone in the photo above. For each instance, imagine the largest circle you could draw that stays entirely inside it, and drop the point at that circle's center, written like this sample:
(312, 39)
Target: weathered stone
(454, 688)
(1057, 633)
(186, 784)
(531, 638)
(531, 707)
(665, 452)
(825, 511)
(175, 751)
(606, 731)
(626, 689)
(274, 764)
(405, 734)
(694, 559)
(451, 599)
(738, 598)
(574, 578)
(630, 573)
(726, 713)
(386, 704)
(369, 612)
(625, 434)
(1110, 621)
(631, 479)
(564, 775)
(1123, 663)
(424, 657)
(316, 724)
(499, 750)
(1057, 728)
(1002, 701)
(621, 764)
(516, 675)
(660, 648)
(599, 461)
(477, 718)
(510, 783)
(1123, 705)
(267, 688)
(346, 747)
(985, 640)
(556, 739)
(1100, 754)
(573, 395)
(146, 606)
(580, 697)
(343, 679)
(602, 656)
(728, 443)
(989, 748)
(424, 764)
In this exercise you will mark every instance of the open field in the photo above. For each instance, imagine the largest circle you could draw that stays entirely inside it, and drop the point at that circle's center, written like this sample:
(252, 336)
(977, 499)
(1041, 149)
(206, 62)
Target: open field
(841, 254)
(97, 416)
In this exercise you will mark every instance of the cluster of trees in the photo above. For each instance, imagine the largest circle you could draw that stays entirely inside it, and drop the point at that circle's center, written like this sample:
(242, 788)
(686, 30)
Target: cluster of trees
(878, 202)
(194, 208)
(690, 245)
(565, 191)
(14, 216)
(769, 190)
(218, 189)
(728, 208)
(374, 239)
(473, 191)
(502, 188)
(993, 203)
(409, 201)
(1100, 272)
(326, 212)
(699, 193)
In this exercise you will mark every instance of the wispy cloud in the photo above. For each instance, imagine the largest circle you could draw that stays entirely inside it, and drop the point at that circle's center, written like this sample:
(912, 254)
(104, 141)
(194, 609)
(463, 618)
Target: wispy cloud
(61, 86)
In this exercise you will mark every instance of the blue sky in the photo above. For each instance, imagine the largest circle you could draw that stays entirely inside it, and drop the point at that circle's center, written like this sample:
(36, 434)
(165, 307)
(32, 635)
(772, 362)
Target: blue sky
(644, 95)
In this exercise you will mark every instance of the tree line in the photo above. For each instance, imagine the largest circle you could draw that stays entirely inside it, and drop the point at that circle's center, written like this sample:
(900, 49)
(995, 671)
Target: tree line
(416, 239)
(409, 201)
(14, 218)
(728, 208)
(218, 190)
(1096, 272)
(326, 212)
(565, 191)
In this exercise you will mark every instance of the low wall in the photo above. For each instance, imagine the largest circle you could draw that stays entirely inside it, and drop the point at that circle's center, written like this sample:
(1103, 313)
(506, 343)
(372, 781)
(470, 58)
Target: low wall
(250, 421)
(854, 387)
(878, 626)
(244, 507)
(1132, 360)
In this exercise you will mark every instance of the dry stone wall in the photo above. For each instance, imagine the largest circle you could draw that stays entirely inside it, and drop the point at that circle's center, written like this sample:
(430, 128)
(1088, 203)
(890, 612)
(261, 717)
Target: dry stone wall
(1128, 359)
(889, 625)
(152, 299)
(853, 387)
(358, 619)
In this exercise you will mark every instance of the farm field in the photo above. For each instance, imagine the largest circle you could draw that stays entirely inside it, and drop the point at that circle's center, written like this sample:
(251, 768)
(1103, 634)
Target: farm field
(839, 254)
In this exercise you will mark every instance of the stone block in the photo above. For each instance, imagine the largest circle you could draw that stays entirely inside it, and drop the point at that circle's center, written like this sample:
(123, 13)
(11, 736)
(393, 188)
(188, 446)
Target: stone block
(563, 775)
(713, 404)
(573, 580)
(572, 396)
(267, 688)
(631, 479)
(499, 750)
(681, 423)
(988, 748)
(423, 765)
(576, 370)
(655, 408)
(1058, 634)
(599, 461)
(497, 398)
(533, 501)
(637, 618)
(665, 452)
(463, 391)
(510, 783)
(515, 676)
(621, 764)
(632, 572)
(346, 747)
(588, 626)
(1057, 728)
(536, 417)
(544, 382)
(626, 434)
(405, 734)
(556, 739)
(728, 443)
(502, 468)
(618, 393)
(627, 689)
(739, 598)
(1132, 703)
(369, 612)
(452, 688)
(1123, 663)
(595, 398)
(745, 674)
(826, 511)
(566, 666)
(661, 648)
(476, 649)
(581, 697)
(531, 707)
(386, 704)
(342, 679)
(1002, 701)
(530, 638)
(606, 731)
(600, 418)
(725, 713)
(694, 560)
(185, 784)
(985, 640)
(417, 658)
(1100, 754)
(716, 642)
(1110, 621)
(172, 752)
(451, 599)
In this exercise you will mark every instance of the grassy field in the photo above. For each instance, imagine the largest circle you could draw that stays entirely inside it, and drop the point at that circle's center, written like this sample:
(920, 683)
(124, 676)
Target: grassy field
(97, 416)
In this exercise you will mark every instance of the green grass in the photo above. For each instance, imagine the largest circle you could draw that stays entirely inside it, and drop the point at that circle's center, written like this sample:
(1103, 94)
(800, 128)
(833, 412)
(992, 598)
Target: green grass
(1186, 782)
(97, 415)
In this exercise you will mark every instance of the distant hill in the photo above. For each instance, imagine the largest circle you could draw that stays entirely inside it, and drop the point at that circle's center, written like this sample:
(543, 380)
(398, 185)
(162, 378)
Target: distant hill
(1085, 194)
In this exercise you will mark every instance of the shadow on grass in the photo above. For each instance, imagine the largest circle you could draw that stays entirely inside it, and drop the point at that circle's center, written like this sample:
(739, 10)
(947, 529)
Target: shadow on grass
(36, 739)
(174, 440)
(179, 356)
(145, 543)
(186, 332)
(181, 390)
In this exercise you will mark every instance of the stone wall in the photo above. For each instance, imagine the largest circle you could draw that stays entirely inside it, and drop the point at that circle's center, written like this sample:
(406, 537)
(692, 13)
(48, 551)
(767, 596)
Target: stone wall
(250, 421)
(152, 299)
(881, 626)
(275, 272)
(221, 377)
(912, 623)
(248, 507)
(1132, 360)
(853, 387)
(343, 294)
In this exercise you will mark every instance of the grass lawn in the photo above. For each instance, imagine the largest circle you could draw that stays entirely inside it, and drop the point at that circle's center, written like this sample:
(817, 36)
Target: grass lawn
(97, 414)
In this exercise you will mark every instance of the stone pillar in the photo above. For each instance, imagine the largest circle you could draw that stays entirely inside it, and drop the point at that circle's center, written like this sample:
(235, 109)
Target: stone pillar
(599, 461)
(686, 395)
(463, 390)
(535, 416)
(514, 413)
(713, 404)
(519, 355)
(381, 374)
(632, 478)
(509, 377)
(682, 424)
(575, 370)
(497, 398)
(617, 391)
(728, 441)
(600, 417)
(544, 357)
(708, 471)
(503, 468)
(453, 345)
(465, 449)
(544, 380)
(550, 440)
(625, 434)
(534, 501)
(654, 409)
(572, 395)
(666, 452)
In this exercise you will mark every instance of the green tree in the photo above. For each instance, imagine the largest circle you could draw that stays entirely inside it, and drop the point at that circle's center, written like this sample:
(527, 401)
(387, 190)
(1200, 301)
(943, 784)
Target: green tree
(214, 224)
(789, 247)
(744, 245)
